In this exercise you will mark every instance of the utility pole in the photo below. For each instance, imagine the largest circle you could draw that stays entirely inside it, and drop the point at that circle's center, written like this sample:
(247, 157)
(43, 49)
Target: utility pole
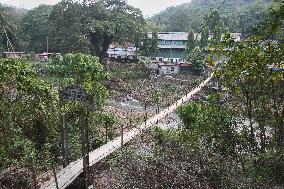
(145, 116)
(122, 134)
(47, 43)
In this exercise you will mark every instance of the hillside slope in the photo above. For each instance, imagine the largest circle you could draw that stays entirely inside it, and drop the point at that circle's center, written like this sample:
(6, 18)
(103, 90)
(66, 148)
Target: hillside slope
(237, 15)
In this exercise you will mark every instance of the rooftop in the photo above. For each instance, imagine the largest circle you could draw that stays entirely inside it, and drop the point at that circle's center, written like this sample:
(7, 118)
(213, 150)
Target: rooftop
(14, 52)
(172, 46)
(182, 36)
(168, 36)
(173, 36)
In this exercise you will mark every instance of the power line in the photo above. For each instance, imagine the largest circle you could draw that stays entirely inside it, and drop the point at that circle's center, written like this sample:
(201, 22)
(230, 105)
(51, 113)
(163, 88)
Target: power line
(220, 6)
(8, 41)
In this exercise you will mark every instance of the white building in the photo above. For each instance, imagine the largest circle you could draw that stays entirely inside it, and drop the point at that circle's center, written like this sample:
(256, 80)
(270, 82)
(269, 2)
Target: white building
(168, 69)
(14, 55)
(122, 53)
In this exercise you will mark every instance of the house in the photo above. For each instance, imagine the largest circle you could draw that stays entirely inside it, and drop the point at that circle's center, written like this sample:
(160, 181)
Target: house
(236, 36)
(128, 52)
(15, 55)
(168, 69)
(42, 57)
(172, 46)
(186, 68)
(278, 69)
(45, 56)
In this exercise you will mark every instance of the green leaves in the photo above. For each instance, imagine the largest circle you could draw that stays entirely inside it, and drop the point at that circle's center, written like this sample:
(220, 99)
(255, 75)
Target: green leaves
(35, 25)
(190, 44)
(196, 58)
(209, 126)
(237, 16)
(30, 111)
(248, 71)
(28, 114)
(78, 69)
(91, 26)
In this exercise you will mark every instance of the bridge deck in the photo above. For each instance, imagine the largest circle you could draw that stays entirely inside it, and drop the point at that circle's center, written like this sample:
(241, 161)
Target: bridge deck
(68, 174)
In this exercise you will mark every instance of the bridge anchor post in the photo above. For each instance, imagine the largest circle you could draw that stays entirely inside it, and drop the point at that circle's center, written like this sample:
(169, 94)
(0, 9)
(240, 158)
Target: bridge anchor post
(85, 150)
(64, 138)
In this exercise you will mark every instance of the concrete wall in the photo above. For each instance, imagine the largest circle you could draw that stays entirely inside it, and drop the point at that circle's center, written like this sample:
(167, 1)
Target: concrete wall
(168, 70)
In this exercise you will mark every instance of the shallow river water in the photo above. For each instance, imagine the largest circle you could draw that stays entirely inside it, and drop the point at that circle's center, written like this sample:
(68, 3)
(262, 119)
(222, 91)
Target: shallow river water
(135, 105)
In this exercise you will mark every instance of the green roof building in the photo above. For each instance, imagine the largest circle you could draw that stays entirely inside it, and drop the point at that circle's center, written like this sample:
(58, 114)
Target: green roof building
(172, 47)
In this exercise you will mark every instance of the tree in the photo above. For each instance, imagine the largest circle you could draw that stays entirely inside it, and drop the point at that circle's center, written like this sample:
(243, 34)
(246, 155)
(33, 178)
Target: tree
(179, 20)
(238, 16)
(145, 45)
(204, 38)
(36, 27)
(247, 76)
(91, 26)
(28, 121)
(121, 23)
(68, 23)
(196, 58)
(137, 43)
(30, 111)
(81, 69)
(211, 125)
(273, 22)
(215, 26)
(2, 17)
(3, 25)
(10, 19)
(195, 54)
(190, 43)
(154, 42)
(108, 120)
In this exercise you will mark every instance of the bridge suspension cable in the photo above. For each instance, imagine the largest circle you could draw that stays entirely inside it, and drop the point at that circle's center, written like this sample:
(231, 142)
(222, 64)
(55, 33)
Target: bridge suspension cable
(68, 174)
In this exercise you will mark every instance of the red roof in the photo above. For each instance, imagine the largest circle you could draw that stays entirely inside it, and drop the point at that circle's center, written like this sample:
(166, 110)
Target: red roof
(185, 65)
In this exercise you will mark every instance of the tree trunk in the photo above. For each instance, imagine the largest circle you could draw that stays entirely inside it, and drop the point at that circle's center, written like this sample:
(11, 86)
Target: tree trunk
(262, 136)
(249, 112)
(279, 125)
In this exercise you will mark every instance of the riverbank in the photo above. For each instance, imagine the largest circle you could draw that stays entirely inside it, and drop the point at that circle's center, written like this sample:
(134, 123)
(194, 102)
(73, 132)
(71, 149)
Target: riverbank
(135, 81)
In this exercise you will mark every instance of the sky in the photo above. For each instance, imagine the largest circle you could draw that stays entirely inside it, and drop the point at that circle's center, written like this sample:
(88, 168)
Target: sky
(148, 7)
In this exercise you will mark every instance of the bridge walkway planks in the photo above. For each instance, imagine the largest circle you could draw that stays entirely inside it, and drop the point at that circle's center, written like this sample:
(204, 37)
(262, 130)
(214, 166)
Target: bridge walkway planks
(68, 174)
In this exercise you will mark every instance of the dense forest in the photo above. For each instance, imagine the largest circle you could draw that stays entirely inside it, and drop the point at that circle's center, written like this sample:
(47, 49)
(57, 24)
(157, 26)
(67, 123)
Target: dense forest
(29, 30)
(10, 19)
(236, 15)
(70, 26)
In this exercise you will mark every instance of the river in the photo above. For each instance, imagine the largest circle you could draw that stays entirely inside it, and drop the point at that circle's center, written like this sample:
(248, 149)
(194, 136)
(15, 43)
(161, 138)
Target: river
(172, 122)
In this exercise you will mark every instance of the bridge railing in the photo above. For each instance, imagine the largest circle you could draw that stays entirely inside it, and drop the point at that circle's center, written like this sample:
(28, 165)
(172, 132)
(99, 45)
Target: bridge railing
(68, 174)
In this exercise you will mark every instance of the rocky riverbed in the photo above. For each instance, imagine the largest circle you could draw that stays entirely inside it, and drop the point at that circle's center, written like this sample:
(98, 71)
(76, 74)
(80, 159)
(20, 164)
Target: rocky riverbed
(127, 82)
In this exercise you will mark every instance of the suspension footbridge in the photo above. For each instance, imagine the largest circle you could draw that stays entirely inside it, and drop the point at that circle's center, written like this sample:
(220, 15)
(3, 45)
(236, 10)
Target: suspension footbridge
(68, 174)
